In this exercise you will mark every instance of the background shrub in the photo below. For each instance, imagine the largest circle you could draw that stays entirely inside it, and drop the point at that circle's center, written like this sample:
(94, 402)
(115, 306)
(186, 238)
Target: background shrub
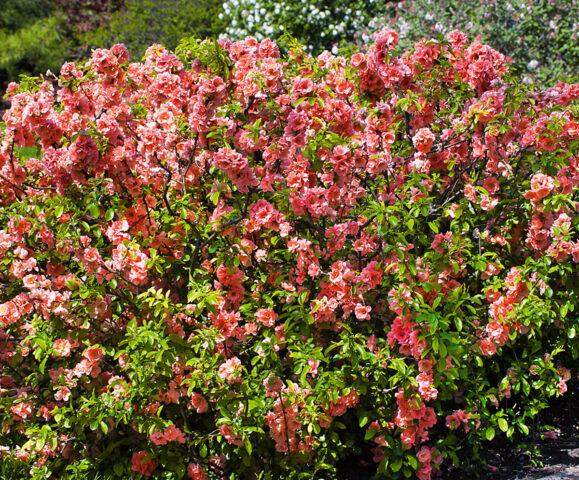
(22, 24)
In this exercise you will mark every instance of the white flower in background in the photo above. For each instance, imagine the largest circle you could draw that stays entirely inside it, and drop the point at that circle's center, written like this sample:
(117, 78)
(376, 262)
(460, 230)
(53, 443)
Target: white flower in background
(311, 23)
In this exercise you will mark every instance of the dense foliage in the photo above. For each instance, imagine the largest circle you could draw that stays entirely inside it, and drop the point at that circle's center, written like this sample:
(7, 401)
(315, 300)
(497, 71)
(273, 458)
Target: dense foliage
(233, 263)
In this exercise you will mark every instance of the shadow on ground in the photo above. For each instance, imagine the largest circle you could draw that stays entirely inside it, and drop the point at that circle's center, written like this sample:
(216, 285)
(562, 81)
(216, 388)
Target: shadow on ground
(558, 459)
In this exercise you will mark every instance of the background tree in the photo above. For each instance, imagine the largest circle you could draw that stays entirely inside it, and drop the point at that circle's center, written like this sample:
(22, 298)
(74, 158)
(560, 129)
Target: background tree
(140, 23)
(32, 36)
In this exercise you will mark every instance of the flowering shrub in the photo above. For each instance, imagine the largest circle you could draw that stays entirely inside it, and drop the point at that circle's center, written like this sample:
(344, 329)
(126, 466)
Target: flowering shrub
(232, 263)
(540, 35)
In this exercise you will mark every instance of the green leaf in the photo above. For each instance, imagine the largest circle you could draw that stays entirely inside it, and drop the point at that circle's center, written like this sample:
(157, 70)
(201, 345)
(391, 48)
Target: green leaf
(490, 433)
(94, 210)
(42, 365)
(523, 428)
(118, 469)
(104, 427)
(370, 434)
(364, 420)
(396, 465)
(58, 211)
(203, 451)
(40, 442)
(503, 425)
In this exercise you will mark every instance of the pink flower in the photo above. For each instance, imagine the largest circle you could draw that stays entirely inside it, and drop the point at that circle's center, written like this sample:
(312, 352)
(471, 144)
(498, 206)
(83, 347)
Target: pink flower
(284, 423)
(174, 434)
(425, 388)
(230, 370)
(441, 239)
(408, 437)
(313, 364)
(386, 39)
(273, 386)
(458, 418)
(491, 185)
(142, 463)
(423, 140)
(199, 403)
(488, 203)
(266, 317)
(116, 232)
(62, 347)
(231, 437)
(424, 472)
(487, 347)
(91, 255)
(470, 192)
(62, 394)
(424, 455)
(196, 472)
(158, 438)
(362, 311)
(237, 169)
(541, 186)
(93, 354)
(171, 434)
(23, 410)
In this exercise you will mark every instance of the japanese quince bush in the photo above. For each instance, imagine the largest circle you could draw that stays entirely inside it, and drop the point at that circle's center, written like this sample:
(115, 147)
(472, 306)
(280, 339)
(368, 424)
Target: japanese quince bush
(233, 263)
